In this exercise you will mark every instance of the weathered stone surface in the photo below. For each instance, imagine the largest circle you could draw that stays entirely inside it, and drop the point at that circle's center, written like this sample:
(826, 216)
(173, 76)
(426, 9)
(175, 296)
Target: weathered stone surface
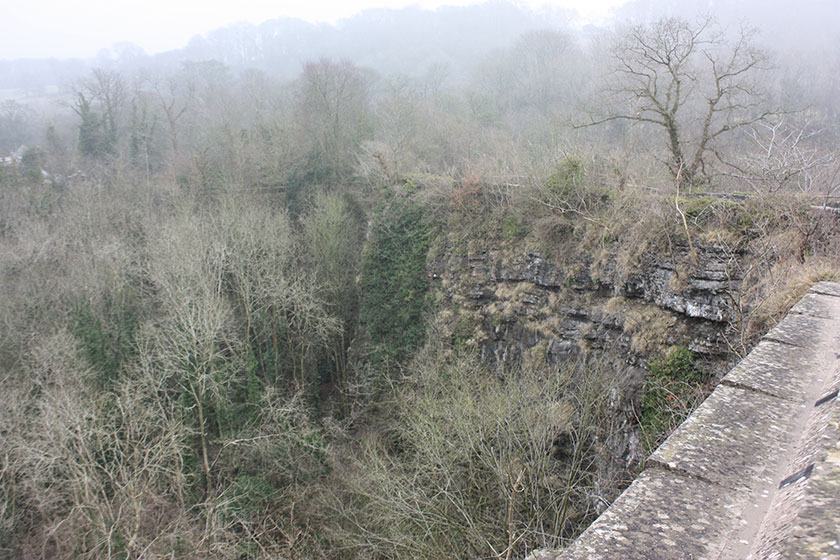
(816, 530)
(702, 297)
(774, 368)
(826, 288)
(798, 330)
(530, 299)
(730, 438)
(702, 293)
(804, 518)
(661, 516)
(532, 269)
(815, 305)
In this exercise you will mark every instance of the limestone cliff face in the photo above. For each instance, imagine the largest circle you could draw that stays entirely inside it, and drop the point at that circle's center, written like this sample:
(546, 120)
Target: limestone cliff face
(526, 300)
(514, 306)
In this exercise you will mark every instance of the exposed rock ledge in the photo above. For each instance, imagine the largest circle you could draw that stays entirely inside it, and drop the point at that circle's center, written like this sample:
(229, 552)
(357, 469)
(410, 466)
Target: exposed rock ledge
(524, 300)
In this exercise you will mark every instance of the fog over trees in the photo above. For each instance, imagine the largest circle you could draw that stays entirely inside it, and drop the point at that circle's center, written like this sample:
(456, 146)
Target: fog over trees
(227, 325)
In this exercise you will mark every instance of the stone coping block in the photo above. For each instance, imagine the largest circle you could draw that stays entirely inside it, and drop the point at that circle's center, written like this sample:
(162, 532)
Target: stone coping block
(815, 304)
(816, 531)
(730, 439)
(826, 288)
(799, 330)
(776, 369)
(661, 516)
(791, 511)
(804, 519)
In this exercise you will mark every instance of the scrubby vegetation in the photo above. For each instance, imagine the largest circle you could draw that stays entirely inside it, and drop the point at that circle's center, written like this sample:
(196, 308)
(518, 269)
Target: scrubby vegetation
(221, 336)
(674, 387)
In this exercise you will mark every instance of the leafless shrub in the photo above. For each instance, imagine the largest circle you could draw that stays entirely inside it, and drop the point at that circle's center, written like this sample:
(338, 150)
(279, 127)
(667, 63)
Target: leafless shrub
(475, 463)
(785, 155)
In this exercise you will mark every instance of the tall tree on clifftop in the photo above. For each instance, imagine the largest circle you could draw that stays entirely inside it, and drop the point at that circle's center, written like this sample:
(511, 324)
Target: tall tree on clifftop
(689, 81)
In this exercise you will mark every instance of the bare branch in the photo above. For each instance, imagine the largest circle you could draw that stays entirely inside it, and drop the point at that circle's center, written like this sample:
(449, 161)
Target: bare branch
(688, 80)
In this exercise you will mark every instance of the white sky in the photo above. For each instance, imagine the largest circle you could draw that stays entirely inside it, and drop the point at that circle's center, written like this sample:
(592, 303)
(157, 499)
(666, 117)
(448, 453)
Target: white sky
(65, 29)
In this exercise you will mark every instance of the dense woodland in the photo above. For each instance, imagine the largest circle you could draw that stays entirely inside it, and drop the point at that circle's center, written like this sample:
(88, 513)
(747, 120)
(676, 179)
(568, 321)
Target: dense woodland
(218, 335)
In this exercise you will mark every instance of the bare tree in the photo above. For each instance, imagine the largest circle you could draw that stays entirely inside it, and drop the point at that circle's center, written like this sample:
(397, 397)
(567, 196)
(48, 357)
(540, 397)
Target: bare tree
(786, 155)
(174, 95)
(334, 106)
(99, 101)
(688, 80)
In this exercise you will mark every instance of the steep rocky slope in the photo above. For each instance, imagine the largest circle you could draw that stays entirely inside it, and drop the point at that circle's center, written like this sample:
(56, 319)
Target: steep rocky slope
(529, 307)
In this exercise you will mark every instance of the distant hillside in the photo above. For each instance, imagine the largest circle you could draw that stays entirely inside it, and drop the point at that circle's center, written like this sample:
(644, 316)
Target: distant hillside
(412, 41)
(407, 41)
(389, 41)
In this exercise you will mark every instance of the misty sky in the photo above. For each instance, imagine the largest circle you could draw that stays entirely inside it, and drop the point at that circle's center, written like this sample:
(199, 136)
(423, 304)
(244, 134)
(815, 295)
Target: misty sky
(63, 29)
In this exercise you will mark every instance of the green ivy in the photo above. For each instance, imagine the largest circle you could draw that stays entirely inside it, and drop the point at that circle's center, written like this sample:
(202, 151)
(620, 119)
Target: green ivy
(567, 177)
(512, 227)
(393, 280)
(106, 335)
(249, 493)
(673, 387)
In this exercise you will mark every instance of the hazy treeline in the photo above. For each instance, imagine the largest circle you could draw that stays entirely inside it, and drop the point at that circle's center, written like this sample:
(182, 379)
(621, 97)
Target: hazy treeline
(404, 41)
(217, 333)
(410, 40)
(510, 95)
